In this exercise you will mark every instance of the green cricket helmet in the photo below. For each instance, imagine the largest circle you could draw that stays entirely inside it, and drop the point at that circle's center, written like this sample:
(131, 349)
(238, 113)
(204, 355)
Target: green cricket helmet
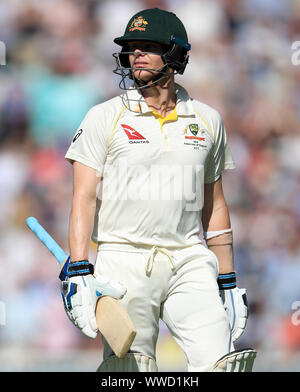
(160, 26)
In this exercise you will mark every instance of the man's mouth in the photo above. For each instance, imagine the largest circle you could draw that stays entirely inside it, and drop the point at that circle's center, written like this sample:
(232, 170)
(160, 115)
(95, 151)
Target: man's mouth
(140, 65)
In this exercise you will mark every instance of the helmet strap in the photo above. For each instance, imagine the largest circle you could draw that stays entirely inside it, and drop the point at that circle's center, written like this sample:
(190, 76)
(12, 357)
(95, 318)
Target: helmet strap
(163, 73)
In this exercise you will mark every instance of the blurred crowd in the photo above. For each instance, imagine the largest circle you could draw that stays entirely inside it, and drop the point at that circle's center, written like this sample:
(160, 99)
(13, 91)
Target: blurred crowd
(59, 63)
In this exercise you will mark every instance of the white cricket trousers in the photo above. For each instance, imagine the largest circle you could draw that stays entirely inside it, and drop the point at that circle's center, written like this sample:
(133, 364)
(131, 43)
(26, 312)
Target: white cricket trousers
(180, 287)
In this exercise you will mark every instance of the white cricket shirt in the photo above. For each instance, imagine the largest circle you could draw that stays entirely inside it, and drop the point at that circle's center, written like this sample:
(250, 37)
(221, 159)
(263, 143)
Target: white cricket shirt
(153, 169)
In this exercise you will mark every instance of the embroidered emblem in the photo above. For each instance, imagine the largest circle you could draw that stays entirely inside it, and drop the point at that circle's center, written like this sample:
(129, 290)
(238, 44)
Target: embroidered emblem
(138, 23)
(190, 134)
(194, 128)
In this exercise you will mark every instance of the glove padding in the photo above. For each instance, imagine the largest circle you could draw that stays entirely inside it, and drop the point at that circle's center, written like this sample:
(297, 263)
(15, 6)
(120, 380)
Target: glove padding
(235, 304)
(80, 294)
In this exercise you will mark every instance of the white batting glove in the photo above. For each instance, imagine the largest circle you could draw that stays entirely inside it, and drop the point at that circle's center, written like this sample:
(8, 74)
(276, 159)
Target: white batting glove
(235, 303)
(80, 292)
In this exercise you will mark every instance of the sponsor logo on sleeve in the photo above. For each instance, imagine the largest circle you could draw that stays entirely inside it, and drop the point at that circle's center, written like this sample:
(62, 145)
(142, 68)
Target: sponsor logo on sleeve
(77, 135)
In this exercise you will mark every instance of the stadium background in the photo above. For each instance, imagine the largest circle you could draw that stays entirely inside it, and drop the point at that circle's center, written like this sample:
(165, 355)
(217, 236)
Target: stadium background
(58, 64)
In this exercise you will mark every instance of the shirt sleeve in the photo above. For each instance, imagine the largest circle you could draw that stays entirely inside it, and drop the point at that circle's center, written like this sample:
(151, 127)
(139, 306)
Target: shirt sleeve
(89, 144)
(220, 156)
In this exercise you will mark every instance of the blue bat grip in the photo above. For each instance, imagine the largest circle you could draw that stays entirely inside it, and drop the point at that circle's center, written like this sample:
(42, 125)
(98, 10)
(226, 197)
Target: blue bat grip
(46, 239)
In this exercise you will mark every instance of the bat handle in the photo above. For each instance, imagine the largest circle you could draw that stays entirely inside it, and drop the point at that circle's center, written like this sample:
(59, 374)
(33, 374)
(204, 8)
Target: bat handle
(46, 239)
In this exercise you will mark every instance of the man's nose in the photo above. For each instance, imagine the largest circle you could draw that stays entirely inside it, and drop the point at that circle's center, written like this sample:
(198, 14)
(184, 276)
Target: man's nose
(138, 52)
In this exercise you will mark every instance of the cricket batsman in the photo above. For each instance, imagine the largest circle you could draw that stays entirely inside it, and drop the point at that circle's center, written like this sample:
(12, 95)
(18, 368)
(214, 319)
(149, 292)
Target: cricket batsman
(147, 188)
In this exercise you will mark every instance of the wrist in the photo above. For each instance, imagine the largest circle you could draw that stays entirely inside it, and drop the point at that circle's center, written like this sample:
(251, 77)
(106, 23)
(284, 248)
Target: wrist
(80, 268)
(77, 268)
(227, 281)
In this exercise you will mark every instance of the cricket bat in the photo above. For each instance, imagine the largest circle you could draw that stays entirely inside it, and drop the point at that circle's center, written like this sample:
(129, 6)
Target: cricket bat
(112, 319)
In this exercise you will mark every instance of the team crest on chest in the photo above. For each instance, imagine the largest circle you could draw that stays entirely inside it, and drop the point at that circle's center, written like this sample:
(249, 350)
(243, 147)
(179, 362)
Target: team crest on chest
(194, 136)
(194, 129)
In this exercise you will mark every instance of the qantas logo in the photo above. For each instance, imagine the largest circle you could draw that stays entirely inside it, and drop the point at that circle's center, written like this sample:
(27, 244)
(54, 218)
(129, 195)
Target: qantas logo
(133, 135)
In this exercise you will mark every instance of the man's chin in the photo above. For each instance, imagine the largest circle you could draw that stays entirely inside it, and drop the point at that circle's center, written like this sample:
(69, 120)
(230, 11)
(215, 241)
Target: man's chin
(144, 76)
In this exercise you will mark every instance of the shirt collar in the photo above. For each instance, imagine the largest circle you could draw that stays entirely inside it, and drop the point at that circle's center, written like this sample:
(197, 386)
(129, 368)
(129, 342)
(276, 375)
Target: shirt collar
(136, 103)
(184, 104)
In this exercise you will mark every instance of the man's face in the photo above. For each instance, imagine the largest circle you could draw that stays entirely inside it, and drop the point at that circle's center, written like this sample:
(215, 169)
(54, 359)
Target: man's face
(141, 63)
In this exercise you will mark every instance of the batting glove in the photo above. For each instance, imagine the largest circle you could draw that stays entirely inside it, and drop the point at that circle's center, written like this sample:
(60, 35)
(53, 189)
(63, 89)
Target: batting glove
(235, 303)
(80, 292)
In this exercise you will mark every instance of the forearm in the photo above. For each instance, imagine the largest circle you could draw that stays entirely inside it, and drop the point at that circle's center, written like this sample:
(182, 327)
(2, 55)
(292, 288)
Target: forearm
(222, 248)
(221, 245)
(80, 227)
(215, 218)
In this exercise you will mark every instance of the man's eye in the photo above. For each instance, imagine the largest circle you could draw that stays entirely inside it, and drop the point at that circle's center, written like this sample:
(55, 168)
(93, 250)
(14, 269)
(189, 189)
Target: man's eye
(144, 48)
(153, 47)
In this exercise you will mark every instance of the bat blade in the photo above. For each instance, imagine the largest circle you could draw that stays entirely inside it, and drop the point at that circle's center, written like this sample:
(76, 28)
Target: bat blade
(112, 319)
(110, 316)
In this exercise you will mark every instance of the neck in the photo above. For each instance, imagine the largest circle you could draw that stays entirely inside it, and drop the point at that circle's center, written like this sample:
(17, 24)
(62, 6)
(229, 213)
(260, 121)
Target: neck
(161, 98)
